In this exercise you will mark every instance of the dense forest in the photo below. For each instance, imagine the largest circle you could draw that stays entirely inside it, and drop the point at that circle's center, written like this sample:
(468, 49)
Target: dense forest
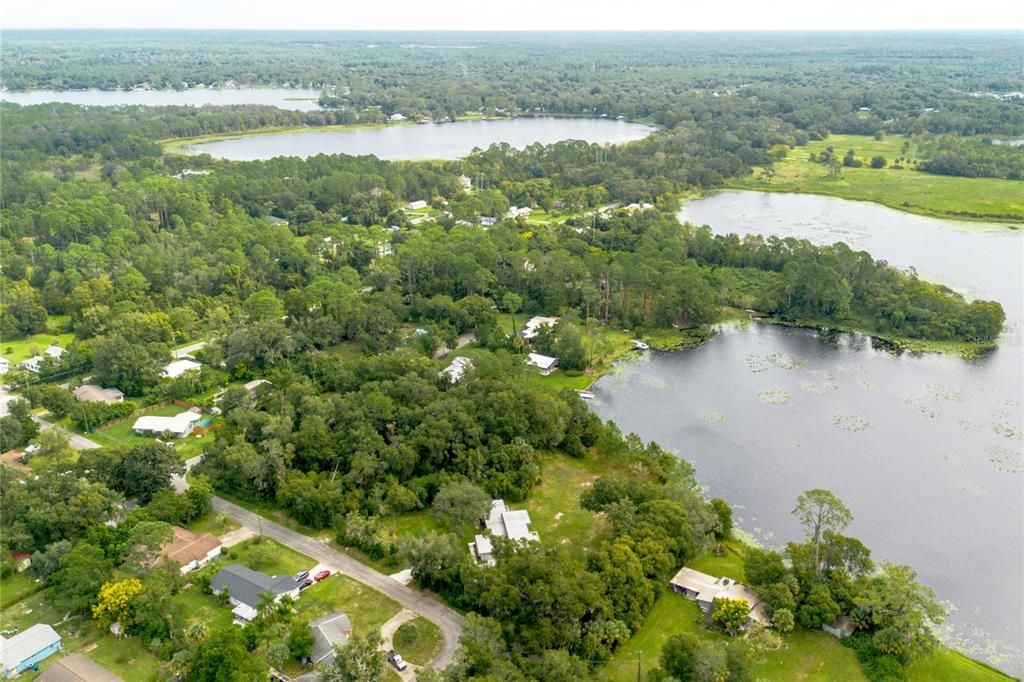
(314, 275)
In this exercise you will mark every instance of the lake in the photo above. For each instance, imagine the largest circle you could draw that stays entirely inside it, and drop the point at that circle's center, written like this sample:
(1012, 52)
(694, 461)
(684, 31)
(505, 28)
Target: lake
(283, 98)
(926, 450)
(430, 141)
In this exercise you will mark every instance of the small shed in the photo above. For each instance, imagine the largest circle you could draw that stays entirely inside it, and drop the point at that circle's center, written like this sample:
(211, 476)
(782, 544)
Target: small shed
(841, 627)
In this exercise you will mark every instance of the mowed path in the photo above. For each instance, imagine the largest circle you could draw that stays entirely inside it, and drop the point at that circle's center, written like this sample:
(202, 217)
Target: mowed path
(445, 618)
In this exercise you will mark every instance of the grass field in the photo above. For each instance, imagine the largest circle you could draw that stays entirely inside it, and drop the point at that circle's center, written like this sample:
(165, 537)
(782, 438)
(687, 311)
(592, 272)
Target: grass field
(419, 641)
(16, 587)
(907, 190)
(554, 505)
(28, 346)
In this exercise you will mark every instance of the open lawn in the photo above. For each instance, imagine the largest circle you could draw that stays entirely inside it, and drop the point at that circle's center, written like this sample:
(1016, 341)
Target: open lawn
(16, 587)
(905, 189)
(946, 665)
(554, 505)
(729, 565)
(268, 556)
(419, 641)
(27, 346)
(216, 524)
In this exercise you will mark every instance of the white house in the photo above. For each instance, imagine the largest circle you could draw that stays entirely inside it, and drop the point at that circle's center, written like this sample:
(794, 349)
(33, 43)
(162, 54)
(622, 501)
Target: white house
(705, 589)
(5, 365)
(502, 522)
(34, 363)
(180, 425)
(455, 371)
(176, 368)
(466, 183)
(534, 324)
(396, 117)
(546, 363)
(841, 627)
(415, 205)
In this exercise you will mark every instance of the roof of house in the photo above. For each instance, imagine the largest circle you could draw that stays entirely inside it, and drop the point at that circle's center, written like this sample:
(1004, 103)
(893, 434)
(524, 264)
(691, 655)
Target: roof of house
(328, 632)
(179, 423)
(187, 547)
(542, 361)
(92, 392)
(534, 324)
(26, 644)
(483, 544)
(245, 584)
(4, 361)
(176, 368)
(709, 588)
(77, 668)
(457, 368)
(254, 384)
(509, 524)
(55, 351)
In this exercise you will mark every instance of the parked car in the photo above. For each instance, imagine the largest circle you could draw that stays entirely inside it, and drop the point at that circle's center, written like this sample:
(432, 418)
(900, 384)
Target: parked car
(301, 575)
(321, 575)
(395, 659)
(305, 583)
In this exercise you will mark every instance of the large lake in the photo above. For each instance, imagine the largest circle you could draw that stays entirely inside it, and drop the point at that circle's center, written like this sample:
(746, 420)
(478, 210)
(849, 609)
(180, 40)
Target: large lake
(431, 141)
(282, 98)
(926, 450)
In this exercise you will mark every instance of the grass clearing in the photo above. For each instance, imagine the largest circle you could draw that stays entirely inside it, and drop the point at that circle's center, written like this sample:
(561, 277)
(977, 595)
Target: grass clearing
(554, 505)
(277, 560)
(418, 641)
(19, 350)
(16, 587)
(903, 189)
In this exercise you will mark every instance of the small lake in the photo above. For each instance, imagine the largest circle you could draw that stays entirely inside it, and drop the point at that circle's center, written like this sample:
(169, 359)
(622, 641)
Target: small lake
(283, 98)
(926, 450)
(429, 141)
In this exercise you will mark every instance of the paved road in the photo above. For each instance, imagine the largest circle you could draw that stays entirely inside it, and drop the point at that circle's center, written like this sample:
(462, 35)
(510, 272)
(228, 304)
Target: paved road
(448, 620)
(187, 351)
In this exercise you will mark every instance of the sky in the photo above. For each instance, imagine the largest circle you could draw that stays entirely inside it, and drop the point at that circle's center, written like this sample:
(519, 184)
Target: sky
(517, 15)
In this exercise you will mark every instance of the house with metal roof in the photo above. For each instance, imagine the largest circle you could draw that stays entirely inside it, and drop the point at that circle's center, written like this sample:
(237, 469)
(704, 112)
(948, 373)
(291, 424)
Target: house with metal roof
(545, 363)
(190, 550)
(505, 523)
(98, 394)
(333, 630)
(244, 587)
(705, 589)
(26, 649)
(179, 426)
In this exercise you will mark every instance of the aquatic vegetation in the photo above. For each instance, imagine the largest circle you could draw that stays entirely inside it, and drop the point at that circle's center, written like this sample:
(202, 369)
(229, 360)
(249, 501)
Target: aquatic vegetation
(1006, 460)
(787, 361)
(851, 422)
(713, 418)
(775, 397)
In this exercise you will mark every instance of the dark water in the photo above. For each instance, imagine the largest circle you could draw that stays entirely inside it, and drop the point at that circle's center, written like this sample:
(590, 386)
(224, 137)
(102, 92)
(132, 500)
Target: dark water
(431, 141)
(282, 98)
(927, 451)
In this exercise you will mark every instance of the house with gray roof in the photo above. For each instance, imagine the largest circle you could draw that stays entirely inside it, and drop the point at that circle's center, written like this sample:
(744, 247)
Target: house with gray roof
(77, 668)
(245, 585)
(27, 648)
(331, 631)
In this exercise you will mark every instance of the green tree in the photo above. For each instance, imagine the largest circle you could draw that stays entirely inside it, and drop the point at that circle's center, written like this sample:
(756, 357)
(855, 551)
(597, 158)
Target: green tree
(223, 657)
(82, 572)
(679, 655)
(512, 303)
(359, 660)
(819, 511)
(145, 469)
(461, 503)
(901, 610)
(818, 607)
(783, 620)
(724, 512)
(300, 640)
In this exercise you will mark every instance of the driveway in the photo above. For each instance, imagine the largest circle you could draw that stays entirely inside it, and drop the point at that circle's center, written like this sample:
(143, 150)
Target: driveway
(387, 635)
(445, 618)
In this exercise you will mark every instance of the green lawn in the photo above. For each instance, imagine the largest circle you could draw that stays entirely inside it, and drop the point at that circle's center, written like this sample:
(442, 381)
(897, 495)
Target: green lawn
(554, 505)
(729, 565)
(16, 587)
(906, 189)
(25, 347)
(216, 524)
(945, 665)
(279, 561)
(419, 641)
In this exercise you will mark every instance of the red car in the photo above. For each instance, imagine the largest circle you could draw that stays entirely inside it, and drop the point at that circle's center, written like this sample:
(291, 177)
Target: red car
(321, 575)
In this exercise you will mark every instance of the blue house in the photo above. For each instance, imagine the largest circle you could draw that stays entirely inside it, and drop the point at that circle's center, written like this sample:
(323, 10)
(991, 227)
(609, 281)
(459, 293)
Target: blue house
(26, 649)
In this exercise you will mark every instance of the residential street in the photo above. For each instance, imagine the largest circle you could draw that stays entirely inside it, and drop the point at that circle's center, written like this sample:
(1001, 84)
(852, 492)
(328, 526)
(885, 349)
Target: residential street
(448, 620)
